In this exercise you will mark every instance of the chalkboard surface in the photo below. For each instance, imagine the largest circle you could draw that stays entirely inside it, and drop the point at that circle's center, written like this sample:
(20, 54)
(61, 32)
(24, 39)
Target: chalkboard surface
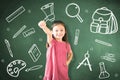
(93, 32)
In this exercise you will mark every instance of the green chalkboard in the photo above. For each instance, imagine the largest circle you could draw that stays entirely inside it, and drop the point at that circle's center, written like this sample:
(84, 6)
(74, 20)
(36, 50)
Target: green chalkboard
(93, 32)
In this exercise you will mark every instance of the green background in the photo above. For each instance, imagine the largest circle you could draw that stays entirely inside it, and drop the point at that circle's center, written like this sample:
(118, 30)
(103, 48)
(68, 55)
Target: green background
(33, 14)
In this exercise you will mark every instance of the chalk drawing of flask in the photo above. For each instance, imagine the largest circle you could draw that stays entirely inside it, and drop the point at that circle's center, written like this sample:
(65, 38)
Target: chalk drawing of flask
(48, 10)
(103, 73)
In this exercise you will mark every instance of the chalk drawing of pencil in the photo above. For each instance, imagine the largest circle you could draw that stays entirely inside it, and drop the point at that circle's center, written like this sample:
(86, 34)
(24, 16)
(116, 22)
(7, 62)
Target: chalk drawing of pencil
(19, 31)
(8, 47)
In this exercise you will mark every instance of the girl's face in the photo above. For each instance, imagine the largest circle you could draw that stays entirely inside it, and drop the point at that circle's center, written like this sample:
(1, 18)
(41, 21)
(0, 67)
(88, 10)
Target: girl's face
(58, 32)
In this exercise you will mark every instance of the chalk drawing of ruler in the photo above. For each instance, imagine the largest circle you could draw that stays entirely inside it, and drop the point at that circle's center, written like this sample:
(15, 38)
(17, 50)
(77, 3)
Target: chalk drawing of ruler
(15, 14)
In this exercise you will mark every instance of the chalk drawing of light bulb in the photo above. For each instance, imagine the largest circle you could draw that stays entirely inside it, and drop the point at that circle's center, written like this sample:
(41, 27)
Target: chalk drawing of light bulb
(48, 10)
(104, 22)
(73, 10)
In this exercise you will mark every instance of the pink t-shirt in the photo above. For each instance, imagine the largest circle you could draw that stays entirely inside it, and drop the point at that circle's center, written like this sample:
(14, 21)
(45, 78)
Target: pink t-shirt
(56, 58)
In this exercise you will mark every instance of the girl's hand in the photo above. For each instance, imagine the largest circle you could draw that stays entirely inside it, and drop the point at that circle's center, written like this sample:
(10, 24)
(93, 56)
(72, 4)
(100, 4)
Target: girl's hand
(42, 24)
(67, 63)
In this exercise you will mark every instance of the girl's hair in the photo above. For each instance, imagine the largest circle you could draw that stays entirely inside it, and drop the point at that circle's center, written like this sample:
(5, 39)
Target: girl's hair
(57, 22)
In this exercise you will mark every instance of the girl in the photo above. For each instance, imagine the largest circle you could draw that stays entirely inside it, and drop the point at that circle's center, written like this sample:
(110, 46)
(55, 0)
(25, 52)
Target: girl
(59, 52)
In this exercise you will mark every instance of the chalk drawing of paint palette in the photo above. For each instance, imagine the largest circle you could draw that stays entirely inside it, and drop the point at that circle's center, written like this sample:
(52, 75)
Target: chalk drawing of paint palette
(14, 67)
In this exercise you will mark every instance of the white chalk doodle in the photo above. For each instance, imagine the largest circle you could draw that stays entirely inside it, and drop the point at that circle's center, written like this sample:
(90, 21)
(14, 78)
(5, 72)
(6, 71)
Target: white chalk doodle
(14, 68)
(77, 32)
(109, 57)
(103, 73)
(29, 11)
(86, 61)
(8, 29)
(40, 76)
(15, 14)
(19, 31)
(34, 68)
(2, 60)
(91, 48)
(28, 32)
(86, 11)
(73, 10)
(109, 54)
(116, 75)
(8, 47)
(104, 22)
(48, 10)
(34, 53)
(40, 39)
(103, 42)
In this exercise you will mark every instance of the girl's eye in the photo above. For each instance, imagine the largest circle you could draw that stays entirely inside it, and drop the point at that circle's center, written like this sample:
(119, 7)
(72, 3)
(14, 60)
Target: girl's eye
(61, 30)
(56, 30)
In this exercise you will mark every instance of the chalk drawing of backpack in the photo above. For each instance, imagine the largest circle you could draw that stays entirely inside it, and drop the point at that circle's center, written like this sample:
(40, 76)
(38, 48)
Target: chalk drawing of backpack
(104, 22)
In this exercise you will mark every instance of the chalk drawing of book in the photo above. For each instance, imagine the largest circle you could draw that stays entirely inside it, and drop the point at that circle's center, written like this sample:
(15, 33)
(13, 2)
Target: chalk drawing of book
(34, 53)
(48, 10)
(104, 22)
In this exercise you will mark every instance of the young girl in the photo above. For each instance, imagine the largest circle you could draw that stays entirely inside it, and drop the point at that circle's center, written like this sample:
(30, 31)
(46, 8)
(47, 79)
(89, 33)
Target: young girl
(59, 52)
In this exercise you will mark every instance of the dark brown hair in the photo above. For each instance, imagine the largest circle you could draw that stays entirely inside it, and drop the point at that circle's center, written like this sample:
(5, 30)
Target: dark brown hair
(57, 22)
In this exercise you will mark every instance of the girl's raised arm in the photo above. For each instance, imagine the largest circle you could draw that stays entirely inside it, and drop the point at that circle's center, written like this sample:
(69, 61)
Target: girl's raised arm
(42, 25)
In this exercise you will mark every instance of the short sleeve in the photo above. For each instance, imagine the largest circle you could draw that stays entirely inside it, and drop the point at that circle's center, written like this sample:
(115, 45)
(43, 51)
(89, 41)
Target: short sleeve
(68, 47)
(53, 41)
